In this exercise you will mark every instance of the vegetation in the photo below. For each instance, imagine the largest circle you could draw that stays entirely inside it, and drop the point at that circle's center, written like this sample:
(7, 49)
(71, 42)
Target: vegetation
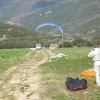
(58, 69)
(54, 73)
(11, 57)
(75, 17)
(79, 42)
(18, 37)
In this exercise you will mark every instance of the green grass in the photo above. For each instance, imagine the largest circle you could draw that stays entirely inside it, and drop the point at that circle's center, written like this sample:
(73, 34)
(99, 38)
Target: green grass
(55, 73)
(13, 53)
(75, 61)
(9, 57)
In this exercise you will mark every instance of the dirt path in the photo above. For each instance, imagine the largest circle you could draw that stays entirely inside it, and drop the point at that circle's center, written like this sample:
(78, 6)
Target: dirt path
(23, 78)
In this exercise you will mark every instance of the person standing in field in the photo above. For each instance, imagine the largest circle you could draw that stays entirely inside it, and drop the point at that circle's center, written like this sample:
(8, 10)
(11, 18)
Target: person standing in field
(95, 55)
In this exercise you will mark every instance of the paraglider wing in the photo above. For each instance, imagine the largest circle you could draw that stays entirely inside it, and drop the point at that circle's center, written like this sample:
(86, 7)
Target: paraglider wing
(51, 24)
(89, 72)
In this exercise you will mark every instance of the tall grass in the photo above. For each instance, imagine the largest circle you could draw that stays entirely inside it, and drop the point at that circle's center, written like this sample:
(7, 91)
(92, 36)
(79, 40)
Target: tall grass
(56, 71)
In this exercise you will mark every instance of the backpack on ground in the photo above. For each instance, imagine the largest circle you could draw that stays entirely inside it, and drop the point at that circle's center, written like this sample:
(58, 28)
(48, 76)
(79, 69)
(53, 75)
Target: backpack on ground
(75, 84)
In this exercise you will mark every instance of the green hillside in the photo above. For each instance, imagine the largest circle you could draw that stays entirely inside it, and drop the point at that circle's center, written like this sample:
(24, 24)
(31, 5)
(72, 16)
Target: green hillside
(76, 17)
(9, 9)
(18, 37)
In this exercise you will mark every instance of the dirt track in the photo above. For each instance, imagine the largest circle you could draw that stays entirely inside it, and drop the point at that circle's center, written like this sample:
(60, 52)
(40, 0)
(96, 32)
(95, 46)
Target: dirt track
(23, 78)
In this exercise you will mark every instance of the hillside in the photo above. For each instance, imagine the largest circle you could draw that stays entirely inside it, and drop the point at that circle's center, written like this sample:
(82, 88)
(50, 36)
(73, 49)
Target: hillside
(75, 16)
(18, 37)
(10, 9)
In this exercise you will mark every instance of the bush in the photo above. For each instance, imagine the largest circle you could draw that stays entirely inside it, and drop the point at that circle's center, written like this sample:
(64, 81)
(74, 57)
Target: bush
(67, 44)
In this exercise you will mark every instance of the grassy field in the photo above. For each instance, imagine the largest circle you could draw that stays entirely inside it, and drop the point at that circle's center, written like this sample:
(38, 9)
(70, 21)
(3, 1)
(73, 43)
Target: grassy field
(10, 57)
(57, 69)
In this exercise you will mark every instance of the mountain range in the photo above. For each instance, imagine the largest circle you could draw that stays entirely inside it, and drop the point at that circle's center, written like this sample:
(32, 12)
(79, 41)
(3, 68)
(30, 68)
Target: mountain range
(79, 17)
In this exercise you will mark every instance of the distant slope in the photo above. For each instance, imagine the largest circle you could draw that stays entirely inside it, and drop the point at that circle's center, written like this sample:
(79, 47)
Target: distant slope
(13, 8)
(18, 37)
(3, 2)
(75, 16)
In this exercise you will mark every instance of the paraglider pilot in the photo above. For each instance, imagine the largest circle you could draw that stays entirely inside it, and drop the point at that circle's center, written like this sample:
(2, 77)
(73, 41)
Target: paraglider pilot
(95, 55)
